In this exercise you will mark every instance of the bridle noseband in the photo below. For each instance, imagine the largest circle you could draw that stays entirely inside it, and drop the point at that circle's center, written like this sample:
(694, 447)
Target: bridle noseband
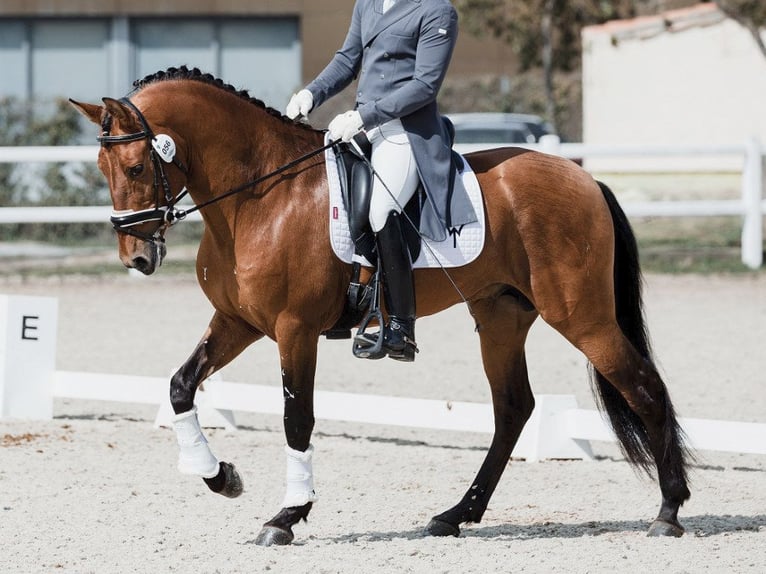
(124, 220)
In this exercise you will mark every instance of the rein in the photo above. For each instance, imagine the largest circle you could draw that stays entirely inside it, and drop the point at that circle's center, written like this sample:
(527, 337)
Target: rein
(167, 214)
(180, 214)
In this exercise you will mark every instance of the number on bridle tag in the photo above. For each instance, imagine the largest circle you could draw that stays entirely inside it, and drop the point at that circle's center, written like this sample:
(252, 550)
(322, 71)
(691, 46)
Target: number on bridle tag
(165, 146)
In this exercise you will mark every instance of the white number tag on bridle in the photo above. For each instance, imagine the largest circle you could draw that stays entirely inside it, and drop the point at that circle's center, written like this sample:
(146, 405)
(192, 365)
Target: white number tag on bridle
(165, 146)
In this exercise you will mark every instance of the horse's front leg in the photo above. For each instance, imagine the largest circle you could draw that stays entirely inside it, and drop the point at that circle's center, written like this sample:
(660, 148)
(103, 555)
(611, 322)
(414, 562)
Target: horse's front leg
(224, 339)
(298, 355)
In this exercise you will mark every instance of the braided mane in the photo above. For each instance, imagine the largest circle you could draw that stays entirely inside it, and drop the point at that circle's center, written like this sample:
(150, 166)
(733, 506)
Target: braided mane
(194, 74)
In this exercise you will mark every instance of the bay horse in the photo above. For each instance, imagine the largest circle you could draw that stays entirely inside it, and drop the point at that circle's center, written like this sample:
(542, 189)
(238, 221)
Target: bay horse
(557, 246)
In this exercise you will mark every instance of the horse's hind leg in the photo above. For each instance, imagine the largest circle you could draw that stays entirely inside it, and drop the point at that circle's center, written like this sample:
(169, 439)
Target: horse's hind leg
(224, 340)
(642, 416)
(503, 326)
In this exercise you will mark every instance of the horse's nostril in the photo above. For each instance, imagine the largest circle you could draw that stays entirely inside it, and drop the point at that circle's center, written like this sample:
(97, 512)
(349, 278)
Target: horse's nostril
(142, 264)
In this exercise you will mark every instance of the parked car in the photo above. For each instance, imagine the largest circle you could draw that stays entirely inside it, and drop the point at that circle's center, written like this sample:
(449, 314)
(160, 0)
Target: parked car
(499, 128)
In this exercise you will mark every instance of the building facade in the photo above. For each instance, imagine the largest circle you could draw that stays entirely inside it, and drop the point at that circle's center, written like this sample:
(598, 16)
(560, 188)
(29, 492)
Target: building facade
(86, 49)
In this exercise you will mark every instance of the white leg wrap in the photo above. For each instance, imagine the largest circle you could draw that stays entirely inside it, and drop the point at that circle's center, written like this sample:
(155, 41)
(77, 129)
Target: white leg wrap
(195, 456)
(300, 478)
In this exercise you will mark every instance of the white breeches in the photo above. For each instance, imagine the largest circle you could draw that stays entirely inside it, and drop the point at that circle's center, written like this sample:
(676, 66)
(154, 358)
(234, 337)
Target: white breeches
(394, 164)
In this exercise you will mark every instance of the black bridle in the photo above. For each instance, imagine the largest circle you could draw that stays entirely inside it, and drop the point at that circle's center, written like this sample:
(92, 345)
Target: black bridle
(124, 220)
(167, 214)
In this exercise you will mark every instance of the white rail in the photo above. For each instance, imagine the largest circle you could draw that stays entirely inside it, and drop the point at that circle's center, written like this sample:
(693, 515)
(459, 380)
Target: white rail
(42, 154)
(751, 206)
(29, 382)
(556, 429)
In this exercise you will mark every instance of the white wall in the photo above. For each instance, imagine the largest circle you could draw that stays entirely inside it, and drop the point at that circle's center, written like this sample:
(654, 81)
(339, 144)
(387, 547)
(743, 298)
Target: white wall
(703, 81)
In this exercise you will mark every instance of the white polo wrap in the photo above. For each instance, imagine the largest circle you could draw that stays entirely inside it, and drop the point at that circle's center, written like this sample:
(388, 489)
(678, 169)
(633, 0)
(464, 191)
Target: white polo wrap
(300, 478)
(195, 456)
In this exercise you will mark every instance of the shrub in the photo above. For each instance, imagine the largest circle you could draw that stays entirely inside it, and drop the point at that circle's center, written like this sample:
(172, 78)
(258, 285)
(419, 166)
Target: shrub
(49, 184)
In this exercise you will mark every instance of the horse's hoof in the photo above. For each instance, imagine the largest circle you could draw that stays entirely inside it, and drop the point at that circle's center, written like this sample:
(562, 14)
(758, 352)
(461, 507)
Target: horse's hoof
(438, 527)
(227, 482)
(663, 528)
(273, 536)
(233, 486)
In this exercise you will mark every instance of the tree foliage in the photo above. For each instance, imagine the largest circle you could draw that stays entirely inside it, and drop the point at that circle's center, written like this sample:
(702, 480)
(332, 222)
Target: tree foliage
(751, 14)
(519, 23)
(543, 33)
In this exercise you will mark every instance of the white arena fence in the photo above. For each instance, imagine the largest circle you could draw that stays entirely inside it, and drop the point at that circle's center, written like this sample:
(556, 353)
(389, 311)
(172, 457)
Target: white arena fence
(750, 206)
(29, 382)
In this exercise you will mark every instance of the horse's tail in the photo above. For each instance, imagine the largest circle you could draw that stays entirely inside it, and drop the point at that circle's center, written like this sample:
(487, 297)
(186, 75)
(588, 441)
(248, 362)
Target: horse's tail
(627, 425)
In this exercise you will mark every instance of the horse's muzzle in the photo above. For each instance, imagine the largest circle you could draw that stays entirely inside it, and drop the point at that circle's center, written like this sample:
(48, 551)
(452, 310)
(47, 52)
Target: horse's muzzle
(146, 259)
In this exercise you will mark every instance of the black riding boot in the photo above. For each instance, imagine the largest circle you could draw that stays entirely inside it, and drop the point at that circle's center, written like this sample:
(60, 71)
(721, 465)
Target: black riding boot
(398, 291)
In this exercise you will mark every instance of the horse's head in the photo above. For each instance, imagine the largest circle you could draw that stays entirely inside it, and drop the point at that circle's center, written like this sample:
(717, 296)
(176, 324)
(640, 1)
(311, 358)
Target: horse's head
(145, 178)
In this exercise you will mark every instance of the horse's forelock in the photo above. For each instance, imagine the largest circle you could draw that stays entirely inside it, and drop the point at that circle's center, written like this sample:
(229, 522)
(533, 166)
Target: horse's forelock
(106, 124)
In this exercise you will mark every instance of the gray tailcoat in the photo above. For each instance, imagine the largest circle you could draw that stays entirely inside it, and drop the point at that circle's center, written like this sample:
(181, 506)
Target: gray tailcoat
(401, 58)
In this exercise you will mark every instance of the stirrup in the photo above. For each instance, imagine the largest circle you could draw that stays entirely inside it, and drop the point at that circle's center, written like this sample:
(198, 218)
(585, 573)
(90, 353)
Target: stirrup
(370, 341)
(369, 345)
(366, 345)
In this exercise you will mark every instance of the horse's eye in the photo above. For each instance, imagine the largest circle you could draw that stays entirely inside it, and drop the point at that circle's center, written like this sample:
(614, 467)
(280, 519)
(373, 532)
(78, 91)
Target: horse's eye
(136, 170)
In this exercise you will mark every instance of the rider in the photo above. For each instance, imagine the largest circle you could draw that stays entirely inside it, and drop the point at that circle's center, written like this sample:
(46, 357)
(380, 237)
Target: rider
(400, 51)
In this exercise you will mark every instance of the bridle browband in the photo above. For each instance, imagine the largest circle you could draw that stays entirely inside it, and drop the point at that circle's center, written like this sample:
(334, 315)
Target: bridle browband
(167, 214)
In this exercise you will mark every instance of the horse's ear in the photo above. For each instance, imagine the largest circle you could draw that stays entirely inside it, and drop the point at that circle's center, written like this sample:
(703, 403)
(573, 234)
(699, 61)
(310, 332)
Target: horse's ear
(91, 111)
(119, 111)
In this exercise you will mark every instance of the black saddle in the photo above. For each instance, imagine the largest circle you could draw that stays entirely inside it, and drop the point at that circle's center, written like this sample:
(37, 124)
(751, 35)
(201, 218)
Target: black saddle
(356, 179)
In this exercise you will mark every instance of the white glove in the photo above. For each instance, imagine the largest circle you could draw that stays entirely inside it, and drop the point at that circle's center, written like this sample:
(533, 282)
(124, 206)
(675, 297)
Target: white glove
(300, 105)
(345, 126)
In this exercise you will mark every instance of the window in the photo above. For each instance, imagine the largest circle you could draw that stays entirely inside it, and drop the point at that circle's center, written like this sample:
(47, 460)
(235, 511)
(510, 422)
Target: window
(251, 53)
(14, 49)
(160, 44)
(42, 59)
(68, 58)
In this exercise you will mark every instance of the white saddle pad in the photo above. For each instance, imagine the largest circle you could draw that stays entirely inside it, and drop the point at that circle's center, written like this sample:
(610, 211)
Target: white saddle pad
(463, 244)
